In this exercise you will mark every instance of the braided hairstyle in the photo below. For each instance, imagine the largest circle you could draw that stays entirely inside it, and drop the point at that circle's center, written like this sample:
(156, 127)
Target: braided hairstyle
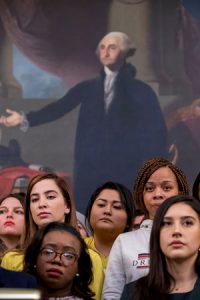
(147, 170)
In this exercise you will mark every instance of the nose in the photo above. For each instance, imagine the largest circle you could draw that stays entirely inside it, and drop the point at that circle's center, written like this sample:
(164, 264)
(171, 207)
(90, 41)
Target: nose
(105, 52)
(176, 229)
(9, 215)
(108, 209)
(57, 259)
(42, 202)
(158, 194)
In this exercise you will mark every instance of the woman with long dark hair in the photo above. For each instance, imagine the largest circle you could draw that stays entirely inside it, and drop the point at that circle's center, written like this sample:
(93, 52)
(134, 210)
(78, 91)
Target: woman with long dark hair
(109, 213)
(11, 221)
(174, 254)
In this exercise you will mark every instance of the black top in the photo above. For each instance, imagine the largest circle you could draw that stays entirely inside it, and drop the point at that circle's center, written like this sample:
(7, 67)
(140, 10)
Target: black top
(129, 288)
(12, 279)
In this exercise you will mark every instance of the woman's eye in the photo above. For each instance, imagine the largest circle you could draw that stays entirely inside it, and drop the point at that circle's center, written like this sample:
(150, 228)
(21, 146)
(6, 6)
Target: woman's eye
(34, 200)
(100, 205)
(69, 256)
(167, 188)
(148, 188)
(188, 223)
(19, 212)
(51, 197)
(166, 223)
(2, 212)
(47, 252)
(118, 207)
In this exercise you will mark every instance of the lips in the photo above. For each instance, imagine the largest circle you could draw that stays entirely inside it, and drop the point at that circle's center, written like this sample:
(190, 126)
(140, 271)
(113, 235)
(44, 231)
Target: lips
(9, 223)
(177, 244)
(107, 220)
(43, 214)
(54, 272)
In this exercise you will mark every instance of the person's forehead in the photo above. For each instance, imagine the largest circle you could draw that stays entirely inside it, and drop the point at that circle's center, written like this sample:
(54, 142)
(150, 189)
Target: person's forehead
(111, 40)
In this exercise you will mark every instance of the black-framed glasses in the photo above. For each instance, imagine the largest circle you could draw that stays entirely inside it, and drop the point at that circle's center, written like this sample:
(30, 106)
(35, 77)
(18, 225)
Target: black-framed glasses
(66, 257)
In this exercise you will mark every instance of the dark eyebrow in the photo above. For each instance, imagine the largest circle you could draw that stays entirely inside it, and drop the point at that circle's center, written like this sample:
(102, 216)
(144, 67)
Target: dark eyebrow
(165, 181)
(113, 201)
(102, 199)
(182, 218)
(46, 192)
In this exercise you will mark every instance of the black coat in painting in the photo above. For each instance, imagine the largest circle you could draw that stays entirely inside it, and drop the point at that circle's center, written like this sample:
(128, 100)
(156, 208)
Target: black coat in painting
(113, 145)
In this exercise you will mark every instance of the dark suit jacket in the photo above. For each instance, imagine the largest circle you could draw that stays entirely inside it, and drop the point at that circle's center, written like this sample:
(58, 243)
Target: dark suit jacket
(12, 279)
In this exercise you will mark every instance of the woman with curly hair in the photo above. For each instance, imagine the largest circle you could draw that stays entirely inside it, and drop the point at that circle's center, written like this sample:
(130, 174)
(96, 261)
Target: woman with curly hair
(157, 180)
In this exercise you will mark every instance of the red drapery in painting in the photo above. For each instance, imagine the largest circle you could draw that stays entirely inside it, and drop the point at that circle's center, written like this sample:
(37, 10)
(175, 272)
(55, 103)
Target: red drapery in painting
(59, 36)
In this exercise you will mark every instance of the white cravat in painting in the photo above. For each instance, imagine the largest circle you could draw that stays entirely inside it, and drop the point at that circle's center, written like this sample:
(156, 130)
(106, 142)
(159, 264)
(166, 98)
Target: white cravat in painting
(109, 88)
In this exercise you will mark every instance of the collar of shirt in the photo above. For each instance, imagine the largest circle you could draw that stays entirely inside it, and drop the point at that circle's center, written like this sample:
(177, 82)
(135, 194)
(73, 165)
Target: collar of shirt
(109, 72)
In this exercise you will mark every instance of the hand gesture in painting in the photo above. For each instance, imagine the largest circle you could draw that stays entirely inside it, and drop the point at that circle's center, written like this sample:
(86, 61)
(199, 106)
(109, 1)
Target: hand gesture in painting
(13, 119)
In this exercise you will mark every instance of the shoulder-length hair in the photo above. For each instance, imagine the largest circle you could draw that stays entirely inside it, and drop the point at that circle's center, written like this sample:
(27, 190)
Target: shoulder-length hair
(147, 170)
(158, 282)
(31, 227)
(125, 197)
(80, 286)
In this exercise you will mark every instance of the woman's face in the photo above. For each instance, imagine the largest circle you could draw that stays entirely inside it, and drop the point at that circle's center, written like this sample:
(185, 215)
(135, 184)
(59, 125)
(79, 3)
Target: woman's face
(11, 217)
(180, 233)
(47, 203)
(108, 213)
(57, 271)
(161, 185)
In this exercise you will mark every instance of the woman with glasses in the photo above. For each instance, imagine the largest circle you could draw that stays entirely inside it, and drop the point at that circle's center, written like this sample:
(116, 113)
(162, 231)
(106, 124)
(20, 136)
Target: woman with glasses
(58, 257)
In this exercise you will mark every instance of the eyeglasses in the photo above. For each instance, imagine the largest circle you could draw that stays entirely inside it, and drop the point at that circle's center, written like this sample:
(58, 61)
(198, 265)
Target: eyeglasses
(66, 257)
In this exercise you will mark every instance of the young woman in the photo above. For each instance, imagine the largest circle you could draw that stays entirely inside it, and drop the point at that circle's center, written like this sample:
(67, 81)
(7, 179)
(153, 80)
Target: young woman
(174, 254)
(109, 213)
(157, 180)
(59, 259)
(47, 200)
(11, 221)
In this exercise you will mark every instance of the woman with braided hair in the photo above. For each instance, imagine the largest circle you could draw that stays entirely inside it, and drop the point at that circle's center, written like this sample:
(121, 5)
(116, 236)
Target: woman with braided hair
(157, 180)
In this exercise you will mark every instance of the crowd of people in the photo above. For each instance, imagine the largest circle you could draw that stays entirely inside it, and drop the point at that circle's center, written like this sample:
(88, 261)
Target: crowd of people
(44, 247)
